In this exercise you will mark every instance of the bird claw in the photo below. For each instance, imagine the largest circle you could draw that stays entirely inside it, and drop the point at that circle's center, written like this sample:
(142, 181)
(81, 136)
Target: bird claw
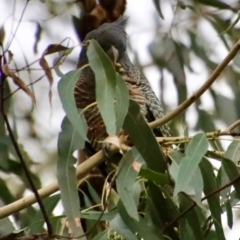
(119, 68)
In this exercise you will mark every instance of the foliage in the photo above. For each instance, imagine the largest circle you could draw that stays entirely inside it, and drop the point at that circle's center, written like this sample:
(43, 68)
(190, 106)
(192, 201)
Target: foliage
(175, 191)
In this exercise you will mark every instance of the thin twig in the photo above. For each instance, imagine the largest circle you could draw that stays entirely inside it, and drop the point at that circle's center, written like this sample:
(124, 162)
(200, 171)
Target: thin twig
(232, 126)
(183, 106)
(210, 135)
(19, 22)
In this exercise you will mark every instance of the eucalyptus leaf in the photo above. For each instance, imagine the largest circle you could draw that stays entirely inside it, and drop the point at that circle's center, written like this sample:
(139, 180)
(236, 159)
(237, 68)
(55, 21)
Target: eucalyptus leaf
(142, 137)
(196, 149)
(66, 88)
(210, 185)
(68, 141)
(126, 182)
(106, 80)
(233, 174)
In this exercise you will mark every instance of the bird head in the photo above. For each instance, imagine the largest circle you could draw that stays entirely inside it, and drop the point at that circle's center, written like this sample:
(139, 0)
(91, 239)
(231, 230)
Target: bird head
(111, 37)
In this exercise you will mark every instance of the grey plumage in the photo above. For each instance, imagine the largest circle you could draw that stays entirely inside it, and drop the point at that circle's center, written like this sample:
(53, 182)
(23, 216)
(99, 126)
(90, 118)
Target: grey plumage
(108, 35)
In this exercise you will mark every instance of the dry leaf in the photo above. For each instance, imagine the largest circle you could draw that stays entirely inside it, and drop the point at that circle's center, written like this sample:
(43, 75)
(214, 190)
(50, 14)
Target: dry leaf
(18, 82)
(49, 75)
(37, 36)
(53, 48)
(137, 166)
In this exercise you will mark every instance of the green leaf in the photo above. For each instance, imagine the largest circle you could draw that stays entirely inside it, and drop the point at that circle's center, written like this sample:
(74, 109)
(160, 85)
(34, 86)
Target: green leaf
(214, 3)
(106, 79)
(163, 210)
(185, 232)
(188, 165)
(93, 194)
(58, 60)
(210, 185)
(205, 121)
(6, 195)
(226, 108)
(191, 216)
(37, 220)
(122, 102)
(102, 235)
(66, 88)
(69, 141)
(233, 152)
(159, 178)
(195, 185)
(229, 214)
(6, 226)
(16, 168)
(125, 182)
(232, 173)
(142, 137)
(140, 227)
(5, 141)
(118, 225)
(94, 215)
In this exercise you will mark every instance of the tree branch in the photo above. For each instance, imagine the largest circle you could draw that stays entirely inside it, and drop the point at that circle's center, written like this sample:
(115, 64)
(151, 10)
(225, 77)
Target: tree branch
(183, 106)
(44, 192)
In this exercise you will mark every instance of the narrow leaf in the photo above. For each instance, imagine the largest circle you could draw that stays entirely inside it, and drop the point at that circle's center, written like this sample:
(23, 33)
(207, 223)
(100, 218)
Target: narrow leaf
(159, 178)
(37, 220)
(162, 208)
(233, 174)
(188, 165)
(43, 63)
(142, 137)
(229, 214)
(118, 225)
(102, 235)
(53, 48)
(66, 88)
(122, 102)
(233, 152)
(105, 78)
(195, 185)
(69, 141)
(191, 217)
(18, 82)
(125, 182)
(210, 185)
(137, 227)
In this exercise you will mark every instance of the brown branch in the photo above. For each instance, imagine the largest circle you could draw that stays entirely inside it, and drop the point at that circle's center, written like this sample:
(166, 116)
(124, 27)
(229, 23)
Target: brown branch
(231, 127)
(183, 106)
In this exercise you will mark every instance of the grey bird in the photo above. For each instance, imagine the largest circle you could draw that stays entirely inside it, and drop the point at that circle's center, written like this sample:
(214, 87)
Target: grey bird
(113, 40)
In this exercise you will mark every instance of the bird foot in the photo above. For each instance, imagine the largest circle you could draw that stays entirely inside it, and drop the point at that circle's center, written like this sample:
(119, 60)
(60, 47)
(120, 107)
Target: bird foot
(119, 68)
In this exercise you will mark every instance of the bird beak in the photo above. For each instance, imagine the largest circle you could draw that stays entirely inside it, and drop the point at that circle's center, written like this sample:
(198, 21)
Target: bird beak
(113, 54)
